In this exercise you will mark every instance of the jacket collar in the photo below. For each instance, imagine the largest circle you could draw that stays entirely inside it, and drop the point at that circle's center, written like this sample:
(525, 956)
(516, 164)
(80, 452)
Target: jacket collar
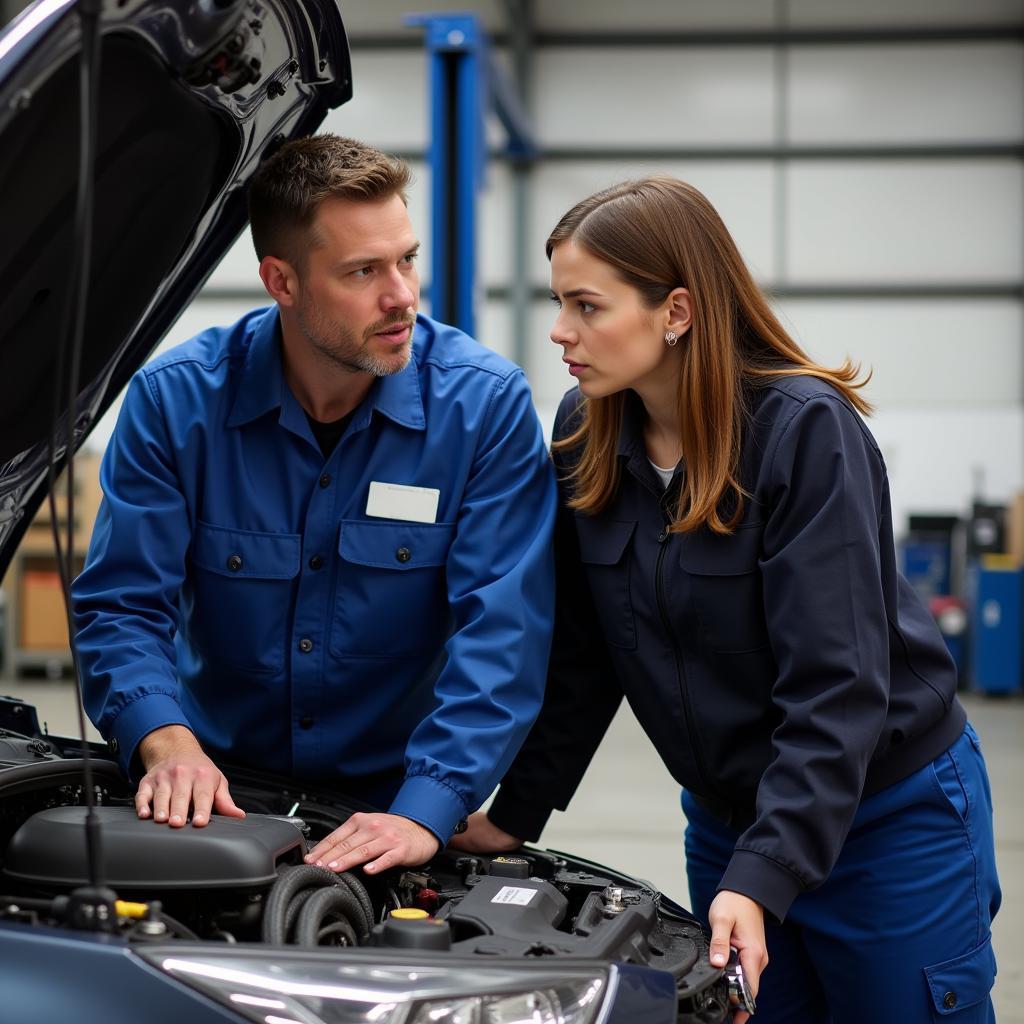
(631, 433)
(263, 388)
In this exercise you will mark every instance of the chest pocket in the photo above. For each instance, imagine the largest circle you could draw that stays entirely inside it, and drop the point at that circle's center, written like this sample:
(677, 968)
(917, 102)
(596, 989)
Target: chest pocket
(607, 561)
(241, 593)
(727, 588)
(391, 595)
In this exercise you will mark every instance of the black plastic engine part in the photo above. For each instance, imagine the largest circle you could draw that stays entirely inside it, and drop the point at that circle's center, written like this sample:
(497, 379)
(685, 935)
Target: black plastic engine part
(15, 749)
(48, 851)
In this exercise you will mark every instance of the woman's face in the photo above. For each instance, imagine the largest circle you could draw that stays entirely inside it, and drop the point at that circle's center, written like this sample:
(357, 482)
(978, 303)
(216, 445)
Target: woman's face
(610, 340)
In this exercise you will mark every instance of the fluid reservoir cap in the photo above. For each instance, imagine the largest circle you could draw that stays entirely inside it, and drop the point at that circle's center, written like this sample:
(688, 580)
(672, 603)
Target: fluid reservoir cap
(510, 867)
(415, 929)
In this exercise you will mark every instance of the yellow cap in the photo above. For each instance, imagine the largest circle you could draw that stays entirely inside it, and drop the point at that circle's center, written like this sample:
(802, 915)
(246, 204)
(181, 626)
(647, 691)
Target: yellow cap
(409, 914)
(124, 909)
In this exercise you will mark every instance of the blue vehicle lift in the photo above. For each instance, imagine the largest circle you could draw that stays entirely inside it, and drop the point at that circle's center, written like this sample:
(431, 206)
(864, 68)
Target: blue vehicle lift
(465, 84)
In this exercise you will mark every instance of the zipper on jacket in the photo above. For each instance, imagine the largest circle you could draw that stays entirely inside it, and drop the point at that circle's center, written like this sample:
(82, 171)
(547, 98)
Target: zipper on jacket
(659, 588)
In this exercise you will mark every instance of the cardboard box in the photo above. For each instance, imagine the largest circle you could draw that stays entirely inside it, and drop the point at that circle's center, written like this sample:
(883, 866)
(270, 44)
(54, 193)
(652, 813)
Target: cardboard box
(1015, 528)
(42, 619)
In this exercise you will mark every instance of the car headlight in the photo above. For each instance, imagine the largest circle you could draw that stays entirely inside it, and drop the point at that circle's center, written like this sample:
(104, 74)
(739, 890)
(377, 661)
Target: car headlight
(295, 988)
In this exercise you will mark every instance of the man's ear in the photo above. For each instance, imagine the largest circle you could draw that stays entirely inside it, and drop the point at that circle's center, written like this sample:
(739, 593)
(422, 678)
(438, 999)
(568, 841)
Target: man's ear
(280, 280)
(679, 310)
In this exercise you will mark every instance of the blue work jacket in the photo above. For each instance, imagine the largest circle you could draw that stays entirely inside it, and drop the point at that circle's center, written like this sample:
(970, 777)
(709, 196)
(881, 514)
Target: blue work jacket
(783, 672)
(235, 583)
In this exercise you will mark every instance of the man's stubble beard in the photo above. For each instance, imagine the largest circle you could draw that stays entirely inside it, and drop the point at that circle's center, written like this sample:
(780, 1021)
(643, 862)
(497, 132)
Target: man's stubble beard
(336, 344)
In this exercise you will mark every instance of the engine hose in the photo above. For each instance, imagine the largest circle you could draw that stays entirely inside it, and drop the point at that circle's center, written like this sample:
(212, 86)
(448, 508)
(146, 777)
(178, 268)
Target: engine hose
(291, 892)
(290, 880)
(360, 893)
(336, 902)
(291, 916)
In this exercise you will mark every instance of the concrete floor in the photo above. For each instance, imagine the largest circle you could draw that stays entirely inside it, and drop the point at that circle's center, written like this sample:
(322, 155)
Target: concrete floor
(626, 814)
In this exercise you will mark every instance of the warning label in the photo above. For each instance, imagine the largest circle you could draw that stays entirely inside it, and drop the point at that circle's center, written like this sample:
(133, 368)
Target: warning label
(513, 894)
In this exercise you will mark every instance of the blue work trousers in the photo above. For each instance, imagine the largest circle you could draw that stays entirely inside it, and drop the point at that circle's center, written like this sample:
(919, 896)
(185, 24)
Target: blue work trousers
(900, 931)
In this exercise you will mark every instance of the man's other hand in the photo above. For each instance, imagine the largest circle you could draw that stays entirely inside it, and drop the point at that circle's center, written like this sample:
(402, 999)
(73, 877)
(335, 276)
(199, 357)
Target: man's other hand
(380, 841)
(179, 774)
(483, 836)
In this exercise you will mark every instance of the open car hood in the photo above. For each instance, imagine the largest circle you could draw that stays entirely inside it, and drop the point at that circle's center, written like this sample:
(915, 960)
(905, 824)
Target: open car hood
(192, 97)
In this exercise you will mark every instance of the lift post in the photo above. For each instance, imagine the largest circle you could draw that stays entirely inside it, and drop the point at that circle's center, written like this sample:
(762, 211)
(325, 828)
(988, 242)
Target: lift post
(465, 83)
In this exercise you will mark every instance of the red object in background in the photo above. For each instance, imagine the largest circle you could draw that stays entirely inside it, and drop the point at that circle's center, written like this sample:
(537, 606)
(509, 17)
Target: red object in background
(427, 899)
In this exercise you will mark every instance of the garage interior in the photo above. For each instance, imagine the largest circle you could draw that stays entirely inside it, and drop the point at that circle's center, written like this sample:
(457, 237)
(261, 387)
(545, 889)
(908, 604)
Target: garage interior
(869, 159)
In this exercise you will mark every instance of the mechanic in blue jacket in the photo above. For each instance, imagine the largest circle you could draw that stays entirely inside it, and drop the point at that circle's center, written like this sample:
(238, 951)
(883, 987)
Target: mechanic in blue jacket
(725, 559)
(324, 546)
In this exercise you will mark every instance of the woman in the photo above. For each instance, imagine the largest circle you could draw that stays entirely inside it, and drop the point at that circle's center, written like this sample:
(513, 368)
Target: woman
(726, 561)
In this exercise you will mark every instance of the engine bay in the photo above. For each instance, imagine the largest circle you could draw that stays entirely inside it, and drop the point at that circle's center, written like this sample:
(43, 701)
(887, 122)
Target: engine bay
(245, 881)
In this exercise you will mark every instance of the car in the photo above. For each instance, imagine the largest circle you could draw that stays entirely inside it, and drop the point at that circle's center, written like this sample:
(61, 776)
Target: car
(107, 917)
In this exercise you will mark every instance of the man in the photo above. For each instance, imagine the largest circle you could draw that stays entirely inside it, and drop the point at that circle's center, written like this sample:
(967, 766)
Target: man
(324, 546)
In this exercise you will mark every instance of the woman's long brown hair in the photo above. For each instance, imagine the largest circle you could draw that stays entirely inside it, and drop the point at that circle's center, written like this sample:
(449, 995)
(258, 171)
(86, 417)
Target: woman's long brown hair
(660, 234)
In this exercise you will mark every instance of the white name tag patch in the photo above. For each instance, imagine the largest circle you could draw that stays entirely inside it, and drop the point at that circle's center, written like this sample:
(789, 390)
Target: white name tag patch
(513, 894)
(401, 501)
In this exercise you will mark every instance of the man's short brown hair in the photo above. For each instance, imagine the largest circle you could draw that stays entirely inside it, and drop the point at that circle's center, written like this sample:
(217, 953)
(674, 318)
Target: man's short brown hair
(286, 191)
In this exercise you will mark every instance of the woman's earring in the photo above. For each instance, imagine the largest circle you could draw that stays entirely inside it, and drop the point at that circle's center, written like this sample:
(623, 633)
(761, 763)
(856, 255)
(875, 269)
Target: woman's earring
(671, 338)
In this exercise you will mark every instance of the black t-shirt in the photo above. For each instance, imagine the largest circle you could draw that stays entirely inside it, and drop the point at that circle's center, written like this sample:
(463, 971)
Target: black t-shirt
(329, 434)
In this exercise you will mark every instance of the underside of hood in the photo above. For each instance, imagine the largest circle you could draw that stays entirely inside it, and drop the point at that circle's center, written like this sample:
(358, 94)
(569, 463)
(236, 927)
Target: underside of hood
(192, 98)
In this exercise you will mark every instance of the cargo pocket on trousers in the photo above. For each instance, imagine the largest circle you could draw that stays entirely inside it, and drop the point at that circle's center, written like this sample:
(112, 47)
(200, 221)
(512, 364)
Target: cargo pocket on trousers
(963, 982)
(604, 552)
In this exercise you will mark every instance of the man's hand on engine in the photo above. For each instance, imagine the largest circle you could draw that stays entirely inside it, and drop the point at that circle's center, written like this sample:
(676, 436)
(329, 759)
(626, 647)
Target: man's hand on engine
(179, 774)
(380, 841)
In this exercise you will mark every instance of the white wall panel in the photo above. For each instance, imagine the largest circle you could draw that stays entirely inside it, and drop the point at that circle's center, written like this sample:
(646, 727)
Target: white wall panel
(495, 226)
(494, 327)
(604, 15)
(932, 456)
(901, 13)
(905, 221)
(741, 192)
(387, 16)
(389, 100)
(666, 96)
(907, 94)
(938, 354)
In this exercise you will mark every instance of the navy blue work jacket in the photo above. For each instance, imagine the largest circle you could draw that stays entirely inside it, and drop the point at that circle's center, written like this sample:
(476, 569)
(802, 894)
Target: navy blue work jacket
(236, 585)
(782, 672)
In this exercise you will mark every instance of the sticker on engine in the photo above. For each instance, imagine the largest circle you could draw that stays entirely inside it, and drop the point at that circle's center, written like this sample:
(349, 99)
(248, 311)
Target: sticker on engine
(513, 894)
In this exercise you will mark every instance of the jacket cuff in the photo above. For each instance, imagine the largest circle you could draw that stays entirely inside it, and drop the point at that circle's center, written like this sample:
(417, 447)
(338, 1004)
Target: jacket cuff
(522, 818)
(137, 720)
(764, 880)
(430, 803)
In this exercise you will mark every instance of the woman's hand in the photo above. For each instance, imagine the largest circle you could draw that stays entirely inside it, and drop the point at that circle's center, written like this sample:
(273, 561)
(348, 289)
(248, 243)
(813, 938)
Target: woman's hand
(738, 921)
(483, 836)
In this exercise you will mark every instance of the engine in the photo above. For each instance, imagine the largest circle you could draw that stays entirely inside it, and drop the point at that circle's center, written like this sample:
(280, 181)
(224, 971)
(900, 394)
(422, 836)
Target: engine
(244, 880)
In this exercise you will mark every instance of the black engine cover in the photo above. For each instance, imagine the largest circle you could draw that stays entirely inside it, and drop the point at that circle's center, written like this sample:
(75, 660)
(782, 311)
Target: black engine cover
(48, 851)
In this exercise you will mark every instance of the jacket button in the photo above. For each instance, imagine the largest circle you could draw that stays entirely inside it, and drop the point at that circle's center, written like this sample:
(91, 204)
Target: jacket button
(305, 645)
(663, 536)
(306, 722)
(235, 563)
(949, 1000)
(316, 562)
(325, 480)
(403, 554)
